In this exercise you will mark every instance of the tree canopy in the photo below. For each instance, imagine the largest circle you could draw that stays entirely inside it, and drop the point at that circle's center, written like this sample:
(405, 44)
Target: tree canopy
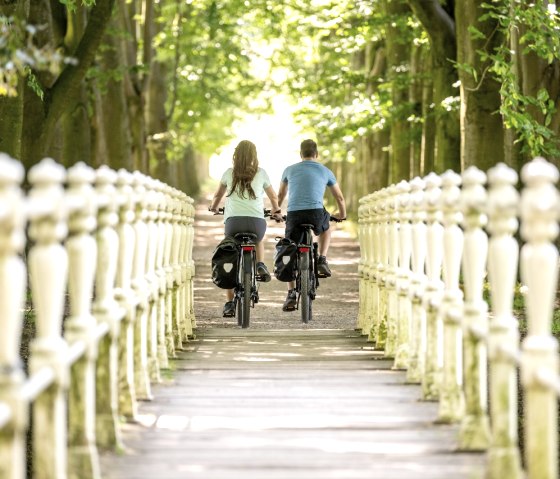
(391, 88)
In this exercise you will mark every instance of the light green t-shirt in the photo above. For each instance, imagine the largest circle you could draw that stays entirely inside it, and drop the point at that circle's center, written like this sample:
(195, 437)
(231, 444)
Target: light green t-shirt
(237, 206)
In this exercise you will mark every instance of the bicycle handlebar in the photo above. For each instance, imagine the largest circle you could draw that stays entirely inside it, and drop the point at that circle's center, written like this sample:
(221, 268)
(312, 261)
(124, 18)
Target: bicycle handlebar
(267, 213)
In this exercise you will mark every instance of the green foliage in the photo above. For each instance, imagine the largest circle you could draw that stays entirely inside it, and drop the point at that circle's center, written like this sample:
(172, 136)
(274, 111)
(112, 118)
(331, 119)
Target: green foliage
(209, 44)
(19, 56)
(530, 116)
(518, 297)
(327, 69)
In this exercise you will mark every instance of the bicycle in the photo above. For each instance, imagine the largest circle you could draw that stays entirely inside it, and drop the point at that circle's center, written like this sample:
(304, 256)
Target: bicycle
(307, 276)
(246, 290)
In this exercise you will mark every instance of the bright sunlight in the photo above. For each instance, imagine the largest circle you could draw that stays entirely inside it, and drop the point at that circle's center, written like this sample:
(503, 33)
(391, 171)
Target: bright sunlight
(276, 135)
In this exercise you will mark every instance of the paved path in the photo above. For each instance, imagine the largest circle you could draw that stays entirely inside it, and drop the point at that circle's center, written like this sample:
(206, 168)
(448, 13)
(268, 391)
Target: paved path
(278, 404)
(283, 400)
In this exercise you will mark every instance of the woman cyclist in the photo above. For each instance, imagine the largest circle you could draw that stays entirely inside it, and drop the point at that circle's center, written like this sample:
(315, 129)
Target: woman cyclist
(244, 185)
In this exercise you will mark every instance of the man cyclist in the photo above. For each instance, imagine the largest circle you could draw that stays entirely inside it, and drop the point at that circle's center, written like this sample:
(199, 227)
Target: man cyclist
(305, 184)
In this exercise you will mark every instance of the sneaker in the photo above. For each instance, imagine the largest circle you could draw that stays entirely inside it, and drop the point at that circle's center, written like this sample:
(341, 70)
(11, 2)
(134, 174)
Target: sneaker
(229, 309)
(262, 273)
(323, 270)
(291, 301)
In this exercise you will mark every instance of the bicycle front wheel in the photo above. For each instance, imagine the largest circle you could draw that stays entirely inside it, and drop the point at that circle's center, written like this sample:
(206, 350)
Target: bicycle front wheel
(305, 289)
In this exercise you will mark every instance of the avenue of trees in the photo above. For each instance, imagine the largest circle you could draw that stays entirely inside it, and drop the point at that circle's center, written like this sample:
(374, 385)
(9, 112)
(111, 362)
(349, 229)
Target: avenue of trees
(392, 88)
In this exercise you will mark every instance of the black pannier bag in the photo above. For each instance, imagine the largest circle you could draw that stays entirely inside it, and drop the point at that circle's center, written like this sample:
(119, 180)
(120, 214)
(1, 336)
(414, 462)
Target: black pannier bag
(285, 260)
(224, 264)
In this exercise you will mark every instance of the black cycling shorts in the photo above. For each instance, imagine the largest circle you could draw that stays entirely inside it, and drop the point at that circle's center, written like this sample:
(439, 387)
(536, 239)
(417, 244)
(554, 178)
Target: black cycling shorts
(245, 224)
(319, 218)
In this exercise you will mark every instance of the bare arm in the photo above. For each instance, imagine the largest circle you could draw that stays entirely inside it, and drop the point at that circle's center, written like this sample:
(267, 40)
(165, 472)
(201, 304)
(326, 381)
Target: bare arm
(282, 191)
(339, 198)
(220, 192)
(273, 198)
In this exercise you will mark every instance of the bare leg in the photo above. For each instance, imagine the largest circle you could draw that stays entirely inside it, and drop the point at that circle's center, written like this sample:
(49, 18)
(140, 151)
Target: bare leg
(324, 242)
(229, 294)
(260, 251)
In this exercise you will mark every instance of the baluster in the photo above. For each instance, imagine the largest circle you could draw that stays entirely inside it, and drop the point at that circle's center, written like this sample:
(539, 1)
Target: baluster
(475, 427)
(83, 460)
(167, 270)
(402, 357)
(174, 270)
(152, 281)
(434, 288)
(383, 228)
(367, 245)
(184, 258)
(191, 269)
(125, 295)
(141, 291)
(451, 406)
(539, 271)
(180, 266)
(363, 241)
(503, 252)
(417, 283)
(12, 298)
(162, 347)
(107, 311)
(48, 269)
(392, 271)
(372, 287)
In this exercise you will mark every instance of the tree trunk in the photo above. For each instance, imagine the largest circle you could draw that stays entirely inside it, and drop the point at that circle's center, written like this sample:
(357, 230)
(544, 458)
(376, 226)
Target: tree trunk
(428, 147)
(41, 117)
(539, 74)
(115, 106)
(156, 123)
(441, 30)
(398, 57)
(77, 143)
(417, 72)
(482, 132)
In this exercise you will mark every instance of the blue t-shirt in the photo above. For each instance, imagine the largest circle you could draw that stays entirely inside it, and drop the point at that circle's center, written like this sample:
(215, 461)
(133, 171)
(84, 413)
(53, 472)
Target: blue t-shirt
(307, 181)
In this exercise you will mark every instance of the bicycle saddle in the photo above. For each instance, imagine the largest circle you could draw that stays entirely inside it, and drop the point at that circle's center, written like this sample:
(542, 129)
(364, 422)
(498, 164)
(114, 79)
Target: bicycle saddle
(252, 237)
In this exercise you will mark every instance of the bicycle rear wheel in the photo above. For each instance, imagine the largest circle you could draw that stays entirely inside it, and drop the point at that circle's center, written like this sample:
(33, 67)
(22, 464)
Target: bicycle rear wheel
(305, 292)
(244, 305)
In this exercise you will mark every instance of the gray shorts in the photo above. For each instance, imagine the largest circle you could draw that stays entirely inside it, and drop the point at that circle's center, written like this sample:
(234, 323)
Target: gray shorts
(245, 224)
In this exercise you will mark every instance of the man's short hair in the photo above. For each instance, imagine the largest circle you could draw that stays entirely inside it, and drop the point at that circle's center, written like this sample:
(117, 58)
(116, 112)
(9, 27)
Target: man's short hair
(308, 149)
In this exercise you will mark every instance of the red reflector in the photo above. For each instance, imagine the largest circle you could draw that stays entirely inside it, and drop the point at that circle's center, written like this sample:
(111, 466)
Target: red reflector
(247, 248)
(304, 249)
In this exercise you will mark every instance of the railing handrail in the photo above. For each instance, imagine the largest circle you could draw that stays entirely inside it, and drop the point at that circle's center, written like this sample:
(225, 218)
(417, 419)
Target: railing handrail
(441, 333)
(91, 236)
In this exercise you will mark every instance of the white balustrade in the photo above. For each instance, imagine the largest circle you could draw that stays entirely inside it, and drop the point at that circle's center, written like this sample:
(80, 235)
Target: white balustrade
(108, 252)
(392, 239)
(374, 274)
(503, 255)
(80, 326)
(475, 426)
(404, 309)
(539, 272)
(12, 298)
(365, 246)
(434, 289)
(380, 327)
(424, 228)
(417, 283)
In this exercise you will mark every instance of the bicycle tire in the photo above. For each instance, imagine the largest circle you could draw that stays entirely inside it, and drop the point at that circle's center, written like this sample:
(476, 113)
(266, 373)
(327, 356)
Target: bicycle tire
(305, 292)
(245, 303)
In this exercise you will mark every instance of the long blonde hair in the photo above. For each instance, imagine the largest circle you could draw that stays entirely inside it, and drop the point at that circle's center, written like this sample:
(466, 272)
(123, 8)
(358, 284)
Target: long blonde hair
(245, 167)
